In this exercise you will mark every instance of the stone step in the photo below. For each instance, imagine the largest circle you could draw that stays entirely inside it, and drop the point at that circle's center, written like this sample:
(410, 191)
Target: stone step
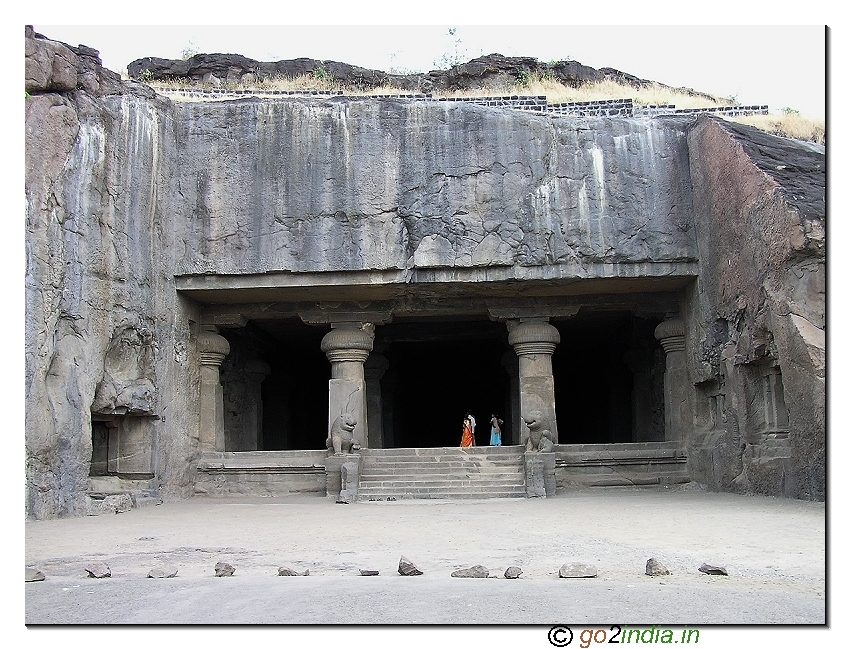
(445, 461)
(437, 470)
(443, 477)
(434, 475)
(460, 495)
(439, 492)
(443, 450)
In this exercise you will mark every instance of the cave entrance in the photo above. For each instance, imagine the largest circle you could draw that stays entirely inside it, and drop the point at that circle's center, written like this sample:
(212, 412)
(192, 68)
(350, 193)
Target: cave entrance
(275, 387)
(609, 379)
(436, 373)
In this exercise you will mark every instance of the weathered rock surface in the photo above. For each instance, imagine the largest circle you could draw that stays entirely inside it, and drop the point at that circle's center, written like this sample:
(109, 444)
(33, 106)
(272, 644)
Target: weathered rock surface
(758, 328)
(475, 572)
(369, 573)
(513, 572)
(655, 568)
(33, 574)
(162, 573)
(223, 569)
(126, 191)
(491, 72)
(112, 504)
(446, 187)
(406, 567)
(98, 570)
(713, 570)
(576, 571)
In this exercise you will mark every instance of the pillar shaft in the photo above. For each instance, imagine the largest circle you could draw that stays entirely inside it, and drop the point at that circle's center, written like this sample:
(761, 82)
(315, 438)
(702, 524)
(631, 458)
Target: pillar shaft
(534, 341)
(212, 349)
(374, 369)
(347, 347)
(678, 418)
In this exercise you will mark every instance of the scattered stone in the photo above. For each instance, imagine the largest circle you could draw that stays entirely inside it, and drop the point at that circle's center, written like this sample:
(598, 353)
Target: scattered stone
(162, 573)
(406, 567)
(289, 572)
(513, 572)
(33, 574)
(655, 568)
(98, 570)
(368, 573)
(223, 569)
(110, 504)
(477, 572)
(576, 571)
(713, 570)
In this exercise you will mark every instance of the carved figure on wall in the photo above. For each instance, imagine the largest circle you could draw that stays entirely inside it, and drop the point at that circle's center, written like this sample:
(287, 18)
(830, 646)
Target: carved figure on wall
(539, 436)
(496, 430)
(468, 437)
(341, 439)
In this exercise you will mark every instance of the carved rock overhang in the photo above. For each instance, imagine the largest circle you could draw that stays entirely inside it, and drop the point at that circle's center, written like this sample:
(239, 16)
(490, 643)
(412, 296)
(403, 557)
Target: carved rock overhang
(451, 293)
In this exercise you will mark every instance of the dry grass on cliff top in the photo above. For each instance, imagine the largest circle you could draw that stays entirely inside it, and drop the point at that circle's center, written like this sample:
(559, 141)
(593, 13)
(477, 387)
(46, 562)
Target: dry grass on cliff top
(789, 124)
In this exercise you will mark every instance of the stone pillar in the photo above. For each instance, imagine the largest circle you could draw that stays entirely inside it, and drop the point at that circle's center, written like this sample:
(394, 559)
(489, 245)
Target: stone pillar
(256, 371)
(539, 474)
(374, 369)
(640, 363)
(212, 349)
(678, 419)
(347, 346)
(534, 341)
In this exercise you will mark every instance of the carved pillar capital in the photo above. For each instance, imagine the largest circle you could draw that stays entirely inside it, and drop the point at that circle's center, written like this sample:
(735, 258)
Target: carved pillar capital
(534, 336)
(212, 348)
(671, 334)
(349, 341)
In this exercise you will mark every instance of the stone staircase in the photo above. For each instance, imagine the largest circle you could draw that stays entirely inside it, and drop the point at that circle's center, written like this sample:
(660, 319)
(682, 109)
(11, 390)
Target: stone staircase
(442, 473)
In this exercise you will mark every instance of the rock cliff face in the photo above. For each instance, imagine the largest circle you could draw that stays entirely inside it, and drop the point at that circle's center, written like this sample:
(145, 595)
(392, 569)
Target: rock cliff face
(756, 305)
(126, 190)
(105, 328)
(308, 185)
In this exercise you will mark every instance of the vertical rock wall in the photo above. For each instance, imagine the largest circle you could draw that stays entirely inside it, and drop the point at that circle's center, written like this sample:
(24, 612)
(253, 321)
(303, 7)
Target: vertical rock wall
(106, 332)
(757, 335)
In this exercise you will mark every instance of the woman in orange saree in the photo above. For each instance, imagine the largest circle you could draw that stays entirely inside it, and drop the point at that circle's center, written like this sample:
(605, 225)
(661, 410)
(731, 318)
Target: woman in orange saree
(468, 437)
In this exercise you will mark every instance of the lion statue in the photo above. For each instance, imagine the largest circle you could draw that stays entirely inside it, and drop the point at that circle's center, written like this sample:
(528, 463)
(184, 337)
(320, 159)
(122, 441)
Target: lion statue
(539, 436)
(341, 439)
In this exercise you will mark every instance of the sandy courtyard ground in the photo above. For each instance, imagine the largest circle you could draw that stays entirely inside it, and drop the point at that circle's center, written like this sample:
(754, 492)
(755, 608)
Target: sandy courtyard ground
(774, 551)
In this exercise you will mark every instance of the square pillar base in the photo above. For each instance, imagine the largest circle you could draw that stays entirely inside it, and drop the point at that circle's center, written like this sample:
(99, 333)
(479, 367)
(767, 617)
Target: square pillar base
(342, 477)
(539, 474)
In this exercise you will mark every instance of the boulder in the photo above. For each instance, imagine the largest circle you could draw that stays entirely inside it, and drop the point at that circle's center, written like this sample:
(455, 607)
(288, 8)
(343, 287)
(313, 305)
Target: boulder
(406, 567)
(33, 574)
(576, 571)
(369, 573)
(476, 572)
(513, 572)
(655, 568)
(98, 570)
(289, 572)
(162, 573)
(713, 570)
(223, 569)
